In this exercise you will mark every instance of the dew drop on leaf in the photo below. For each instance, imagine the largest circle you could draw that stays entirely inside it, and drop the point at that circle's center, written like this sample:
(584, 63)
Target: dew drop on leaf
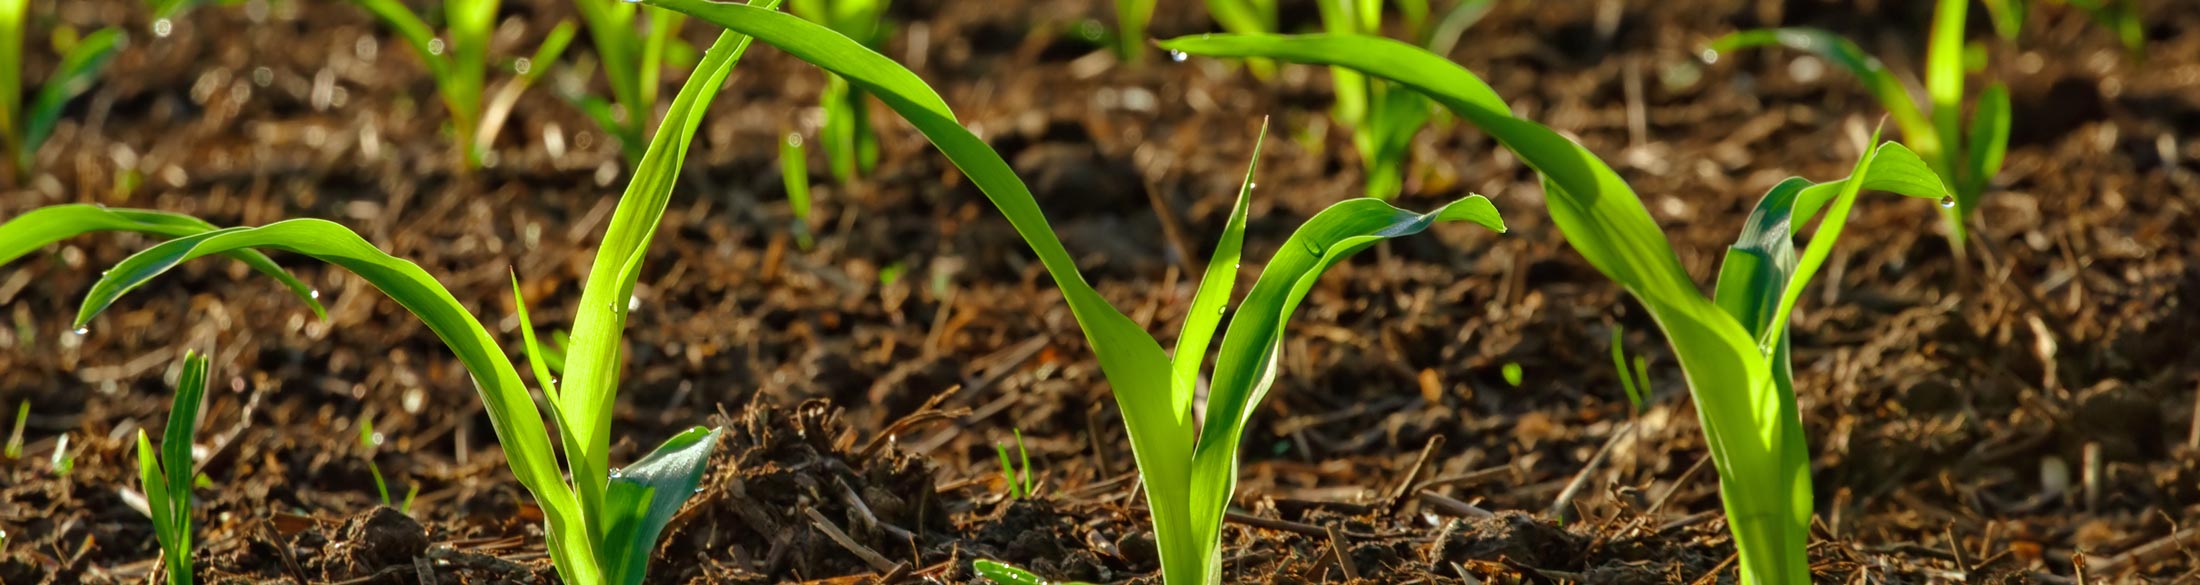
(314, 294)
(83, 331)
(1709, 56)
(161, 28)
(1178, 56)
(1947, 202)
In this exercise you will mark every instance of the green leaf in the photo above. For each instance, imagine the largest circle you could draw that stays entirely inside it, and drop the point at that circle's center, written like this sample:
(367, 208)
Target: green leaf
(38, 227)
(165, 527)
(78, 70)
(2008, 16)
(592, 362)
(1005, 574)
(1989, 144)
(1881, 83)
(11, 82)
(1213, 296)
(1944, 73)
(183, 423)
(512, 412)
(645, 495)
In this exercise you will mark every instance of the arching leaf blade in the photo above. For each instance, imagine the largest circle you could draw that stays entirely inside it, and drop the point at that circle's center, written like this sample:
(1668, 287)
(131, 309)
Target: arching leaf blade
(38, 227)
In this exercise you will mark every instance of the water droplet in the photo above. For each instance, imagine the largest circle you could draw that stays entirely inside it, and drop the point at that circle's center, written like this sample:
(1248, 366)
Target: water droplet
(1222, 309)
(83, 331)
(794, 139)
(633, 1)
(1313, 248)
(314, 294)
(1947, 202)
(435, 46)
(1178, 56)
(161, 28)
(1252, 185)
(1709, 56)
(522, 64)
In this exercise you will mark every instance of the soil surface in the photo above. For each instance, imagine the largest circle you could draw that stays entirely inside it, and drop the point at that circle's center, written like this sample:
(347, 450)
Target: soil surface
(2019, 417)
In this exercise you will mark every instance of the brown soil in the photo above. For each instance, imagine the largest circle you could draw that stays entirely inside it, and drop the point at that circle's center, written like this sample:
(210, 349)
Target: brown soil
(2010, 426)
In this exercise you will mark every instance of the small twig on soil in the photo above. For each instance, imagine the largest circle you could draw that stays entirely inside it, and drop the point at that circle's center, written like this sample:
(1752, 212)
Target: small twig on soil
(1275, 524)
(1713, 576)
(1581, 478)
(871, 557)
(863, 511)
(2159, 549)
(1405, 483)
(1470, 478)
(1676, 487)
(901, 571)
(282, 550)
(1344, 560)
(1453, 507)
(928, 413)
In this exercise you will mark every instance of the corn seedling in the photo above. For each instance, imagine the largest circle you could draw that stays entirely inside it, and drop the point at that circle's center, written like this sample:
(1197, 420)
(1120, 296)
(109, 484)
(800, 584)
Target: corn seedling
(1188, 482)
(166, 476)
(1966, 160)
(602, 526)
(851, 144)
(1189, 466)
(1019, 479)
(14, 449)
(1732, 346)
(460, 67)
(1004, 574)
(794, 171)
(635, 54)
(24, 127)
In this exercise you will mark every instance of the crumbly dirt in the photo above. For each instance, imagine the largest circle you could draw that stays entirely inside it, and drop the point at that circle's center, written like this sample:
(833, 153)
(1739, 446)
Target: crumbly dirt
(2017, 418)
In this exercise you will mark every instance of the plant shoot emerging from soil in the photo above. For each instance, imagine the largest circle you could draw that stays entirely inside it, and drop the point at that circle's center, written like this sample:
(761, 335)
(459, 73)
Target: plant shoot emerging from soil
(1966, 157)
(166, 476)
(1188, 465)
(460, 67)
(603, 525)
(849, 140)
(1733, 346)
